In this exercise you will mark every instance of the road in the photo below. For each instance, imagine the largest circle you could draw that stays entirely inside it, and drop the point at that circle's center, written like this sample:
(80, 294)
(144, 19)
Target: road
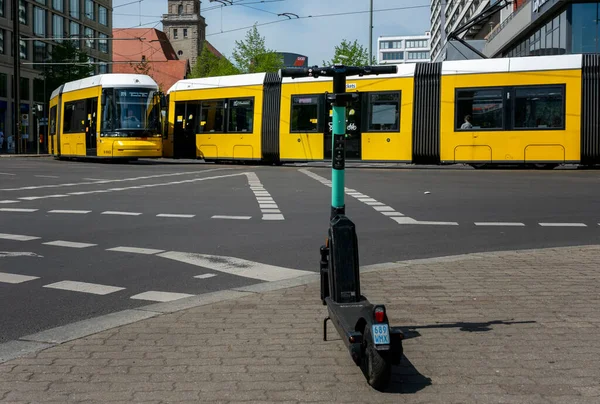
(79, 239)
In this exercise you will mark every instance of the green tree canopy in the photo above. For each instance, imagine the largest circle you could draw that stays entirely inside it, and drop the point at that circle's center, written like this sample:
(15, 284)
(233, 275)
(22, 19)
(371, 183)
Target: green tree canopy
(209, 65)
(252, 56)
(355, 55)
(77, 67)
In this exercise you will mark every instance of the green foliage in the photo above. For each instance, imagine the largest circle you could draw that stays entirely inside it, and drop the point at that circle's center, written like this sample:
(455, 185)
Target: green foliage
(142, 67)
(78, 67)
(356, 55)
(251, 55)
(209, 65)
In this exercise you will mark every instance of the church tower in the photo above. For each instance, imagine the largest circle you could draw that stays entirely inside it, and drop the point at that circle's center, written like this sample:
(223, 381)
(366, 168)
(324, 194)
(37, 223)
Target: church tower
(185, 28)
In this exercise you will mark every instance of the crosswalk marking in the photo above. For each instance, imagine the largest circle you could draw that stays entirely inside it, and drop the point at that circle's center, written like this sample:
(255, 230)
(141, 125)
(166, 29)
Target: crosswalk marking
(17, 210)
(15, 278)
(499, 224)
(205, 276)
(156, 296)
(563, 224)
(17, 237)
(266, 203)
(174, 215)
(70, 244)
(69, 211)
(116, 212)
(84, 287)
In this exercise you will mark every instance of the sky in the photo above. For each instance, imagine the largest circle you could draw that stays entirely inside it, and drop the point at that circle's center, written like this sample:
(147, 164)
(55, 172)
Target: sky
(314, 36)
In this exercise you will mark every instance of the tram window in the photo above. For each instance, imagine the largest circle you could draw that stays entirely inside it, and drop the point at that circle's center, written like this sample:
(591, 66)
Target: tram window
(479, 109)
(384, 112)
(74, 117)
(305, 113)
(539, 107)
(53, 120)
(213, 116)
(241, 113)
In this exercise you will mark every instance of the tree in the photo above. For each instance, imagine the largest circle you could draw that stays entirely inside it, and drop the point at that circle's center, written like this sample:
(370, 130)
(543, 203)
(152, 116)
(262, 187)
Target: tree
(142, 67)
(251, 55)
(209, 65)
(356, 55)
(77, 65)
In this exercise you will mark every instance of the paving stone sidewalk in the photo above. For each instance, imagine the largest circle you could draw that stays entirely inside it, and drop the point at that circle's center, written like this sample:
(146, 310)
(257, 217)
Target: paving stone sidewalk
(509, 327)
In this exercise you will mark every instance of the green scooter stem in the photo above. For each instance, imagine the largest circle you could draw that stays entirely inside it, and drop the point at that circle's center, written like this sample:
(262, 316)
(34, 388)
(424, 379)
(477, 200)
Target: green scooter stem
(337, 175)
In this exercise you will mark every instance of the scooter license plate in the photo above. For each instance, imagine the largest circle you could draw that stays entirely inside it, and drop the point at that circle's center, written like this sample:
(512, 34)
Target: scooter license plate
(381, 334)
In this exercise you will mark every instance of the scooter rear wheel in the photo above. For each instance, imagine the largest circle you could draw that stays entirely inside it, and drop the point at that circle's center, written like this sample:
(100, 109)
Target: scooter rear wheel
(376, 368)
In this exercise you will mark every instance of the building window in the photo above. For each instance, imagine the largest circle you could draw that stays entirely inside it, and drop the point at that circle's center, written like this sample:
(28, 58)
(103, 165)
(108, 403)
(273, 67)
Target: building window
(22, 12)
(390, 45)
(175, 33)
(89, 33)
(584, 27)
(39, 21)
(180, 53)
(416, 43)
(1, 8)
(74, 8)
(393, 56)
(39, 54)
(103, 16)
(305, 113)
(58, 5)
(539, 107)
(185, 33)
(383, 112)
(39, 93)
(23, 50)
(24, 90)
(102, 68)
(89, 9)
(484, 107)
(103, 43)
(241, 114)
(180, 9)
(74, 28)
(418, 55)
(57, 27)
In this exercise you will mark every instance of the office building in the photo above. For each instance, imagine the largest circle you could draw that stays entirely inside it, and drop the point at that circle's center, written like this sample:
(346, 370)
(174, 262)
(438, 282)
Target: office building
(403, 49)
(45, 19)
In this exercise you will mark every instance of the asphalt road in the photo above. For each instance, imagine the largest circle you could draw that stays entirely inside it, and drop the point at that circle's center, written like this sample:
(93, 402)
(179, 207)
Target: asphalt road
(80, 239)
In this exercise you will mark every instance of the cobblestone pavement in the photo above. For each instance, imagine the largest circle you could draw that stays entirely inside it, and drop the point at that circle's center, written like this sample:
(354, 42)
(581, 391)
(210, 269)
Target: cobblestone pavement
(510, 327)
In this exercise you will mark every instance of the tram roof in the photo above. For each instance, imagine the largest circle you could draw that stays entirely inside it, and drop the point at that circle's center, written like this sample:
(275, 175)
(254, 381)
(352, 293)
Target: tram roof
(237, 80)
(109, 80)
(517, 64)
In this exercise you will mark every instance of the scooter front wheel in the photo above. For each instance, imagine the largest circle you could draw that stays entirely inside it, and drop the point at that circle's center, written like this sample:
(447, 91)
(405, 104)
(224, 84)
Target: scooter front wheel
(376, 368)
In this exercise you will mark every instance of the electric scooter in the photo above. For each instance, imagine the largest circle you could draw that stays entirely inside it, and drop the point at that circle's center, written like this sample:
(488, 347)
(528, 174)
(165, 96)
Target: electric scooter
(374, 346)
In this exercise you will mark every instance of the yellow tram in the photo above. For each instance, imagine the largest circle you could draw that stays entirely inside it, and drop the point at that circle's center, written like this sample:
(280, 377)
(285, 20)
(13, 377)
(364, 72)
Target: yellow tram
(109, 116)
(541, 111)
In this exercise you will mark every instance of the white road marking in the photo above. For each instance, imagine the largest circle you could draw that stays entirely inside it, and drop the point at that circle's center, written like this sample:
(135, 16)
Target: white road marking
(17, 210)
(155, 296)
(46, 176)
(162, 184)
(81, 212)
(95, 179)
(84, 287)
(135, 250)
(7, 174)
(384, 209)
(231, 217)
(236, 266)
(74, 184)
(4, 254)
(270, 211)
(392, 213)
(499, 224)
(264, 199)
(437, 223)
(14, 278)
(563, 224)
(205, 276)
(9, 201)
(115, 212)
(70, 244)
(173, 215)
(17, 237)
(33, 198)
(404, 220)
(273, 216)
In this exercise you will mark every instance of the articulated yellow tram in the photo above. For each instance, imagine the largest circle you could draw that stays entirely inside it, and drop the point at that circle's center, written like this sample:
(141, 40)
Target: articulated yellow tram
(541, 111)
(110, 116)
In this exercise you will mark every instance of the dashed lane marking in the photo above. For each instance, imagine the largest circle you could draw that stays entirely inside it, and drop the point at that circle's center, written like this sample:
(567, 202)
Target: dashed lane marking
(7, 174)
(135, 250)
(94, 182)
(17, 210)
(266, 203)
(115, 212)
(562, 224)
(46, 176)
(231, 217)
(499, 224)
(84, 287)
(205, 276)
(69, 244)
(174, 215)
(156, 296)
(17, 237)
(80, 212)
(15, 278)
(9, 201)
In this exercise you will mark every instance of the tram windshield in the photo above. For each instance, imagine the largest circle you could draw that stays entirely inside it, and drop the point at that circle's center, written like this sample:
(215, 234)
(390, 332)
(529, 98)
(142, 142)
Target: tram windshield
(130, 112)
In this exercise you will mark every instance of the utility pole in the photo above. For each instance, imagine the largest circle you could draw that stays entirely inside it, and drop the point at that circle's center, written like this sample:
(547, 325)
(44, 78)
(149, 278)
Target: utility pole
(371, 34)
(443, 28)
(17, 74)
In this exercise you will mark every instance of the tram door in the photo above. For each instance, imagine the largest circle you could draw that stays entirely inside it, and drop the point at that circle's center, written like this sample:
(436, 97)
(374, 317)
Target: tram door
(91, 109)
(353, 133)
(187, 115)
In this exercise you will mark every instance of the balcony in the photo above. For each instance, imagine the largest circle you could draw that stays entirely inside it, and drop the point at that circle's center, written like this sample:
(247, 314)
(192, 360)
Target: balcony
(507, 30)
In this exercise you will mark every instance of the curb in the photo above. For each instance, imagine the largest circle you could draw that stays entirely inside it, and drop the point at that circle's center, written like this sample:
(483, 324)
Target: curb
(24, 155)
(47, 339)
